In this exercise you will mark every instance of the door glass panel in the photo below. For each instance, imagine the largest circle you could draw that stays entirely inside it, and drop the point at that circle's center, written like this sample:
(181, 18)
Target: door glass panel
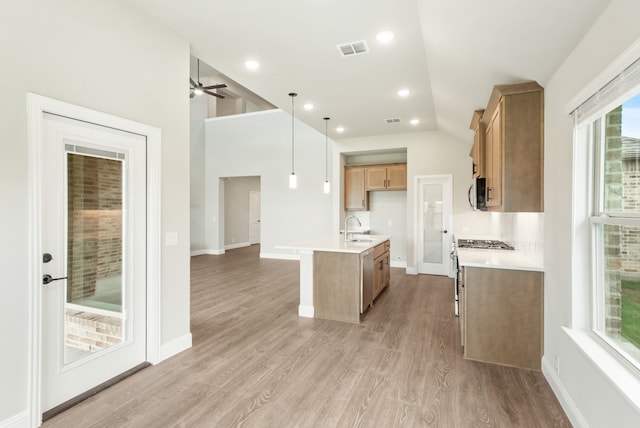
(94, 293)
(432, 204)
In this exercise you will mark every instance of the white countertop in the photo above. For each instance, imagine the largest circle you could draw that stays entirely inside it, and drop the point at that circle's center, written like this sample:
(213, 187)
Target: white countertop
(501, 259)
(336, 243)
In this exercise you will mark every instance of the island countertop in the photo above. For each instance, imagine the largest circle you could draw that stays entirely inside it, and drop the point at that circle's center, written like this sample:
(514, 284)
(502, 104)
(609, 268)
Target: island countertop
(337, 244)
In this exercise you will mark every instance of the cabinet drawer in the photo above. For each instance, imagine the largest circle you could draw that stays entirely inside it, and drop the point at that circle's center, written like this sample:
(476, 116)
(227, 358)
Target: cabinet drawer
(380, 249)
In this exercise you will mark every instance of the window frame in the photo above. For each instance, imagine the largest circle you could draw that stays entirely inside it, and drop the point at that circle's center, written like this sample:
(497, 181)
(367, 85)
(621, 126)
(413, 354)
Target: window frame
(597, 218)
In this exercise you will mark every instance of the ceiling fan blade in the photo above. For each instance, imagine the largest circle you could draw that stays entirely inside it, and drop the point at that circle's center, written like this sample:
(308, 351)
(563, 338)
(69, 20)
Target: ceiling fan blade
(218, 86)
(192, 82)
(214, 94)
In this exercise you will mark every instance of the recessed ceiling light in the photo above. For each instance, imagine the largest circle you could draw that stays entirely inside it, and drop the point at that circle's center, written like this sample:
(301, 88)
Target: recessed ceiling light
(308, 106)
(415, 121)
(340, 129)
(384, 36)
(404, 92)
(252, 65)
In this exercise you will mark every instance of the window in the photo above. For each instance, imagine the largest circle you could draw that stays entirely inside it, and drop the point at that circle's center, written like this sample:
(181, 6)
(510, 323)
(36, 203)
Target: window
(614, 223)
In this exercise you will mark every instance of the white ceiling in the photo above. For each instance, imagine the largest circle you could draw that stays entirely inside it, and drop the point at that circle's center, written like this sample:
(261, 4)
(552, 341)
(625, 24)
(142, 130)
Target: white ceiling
(449, 53)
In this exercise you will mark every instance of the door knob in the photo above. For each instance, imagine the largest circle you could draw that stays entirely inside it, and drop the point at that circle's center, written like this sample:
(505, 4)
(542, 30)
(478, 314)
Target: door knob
(48, 279)
(46, 258)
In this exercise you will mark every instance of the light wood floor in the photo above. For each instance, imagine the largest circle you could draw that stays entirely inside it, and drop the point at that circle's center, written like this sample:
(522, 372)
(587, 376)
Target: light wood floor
(254, 363)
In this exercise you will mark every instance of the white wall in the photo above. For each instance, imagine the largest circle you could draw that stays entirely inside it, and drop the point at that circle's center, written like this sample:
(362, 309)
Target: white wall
(587, 392)
(236, 208)
(428, 153)
(103, 56)
(198, 113)
(259, 144)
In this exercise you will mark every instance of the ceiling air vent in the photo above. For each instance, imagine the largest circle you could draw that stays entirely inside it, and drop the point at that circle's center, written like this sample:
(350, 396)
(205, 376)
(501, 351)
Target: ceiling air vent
(392, 120)
(353, 48)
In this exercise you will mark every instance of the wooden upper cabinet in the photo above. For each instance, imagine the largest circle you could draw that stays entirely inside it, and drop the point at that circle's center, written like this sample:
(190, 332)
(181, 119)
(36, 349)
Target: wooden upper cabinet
(493, 160)
(376, 177)
(514, 148)
(478, 149)
(387, 177)
(360, 179)
(355, 193)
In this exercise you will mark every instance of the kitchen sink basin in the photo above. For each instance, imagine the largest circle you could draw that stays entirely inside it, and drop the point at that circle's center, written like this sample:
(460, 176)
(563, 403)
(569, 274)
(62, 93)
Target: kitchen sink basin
(359, 241)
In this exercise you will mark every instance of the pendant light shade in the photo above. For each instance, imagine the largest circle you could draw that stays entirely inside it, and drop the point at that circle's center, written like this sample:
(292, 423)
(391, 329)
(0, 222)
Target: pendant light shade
(327, 185)
(293, 181)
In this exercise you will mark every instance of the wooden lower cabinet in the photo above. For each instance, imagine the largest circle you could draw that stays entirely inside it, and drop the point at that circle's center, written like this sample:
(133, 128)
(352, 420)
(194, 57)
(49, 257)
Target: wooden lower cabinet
(502, 316)
(381, 267)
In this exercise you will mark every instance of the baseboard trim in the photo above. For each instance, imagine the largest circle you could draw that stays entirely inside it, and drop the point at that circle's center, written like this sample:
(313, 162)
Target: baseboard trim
(21, 420)
(207, 252)
(398, 264)
(411, 271)
(279, 256)
(238, 245)
(174, 347)
(306, 311)
(569, 407)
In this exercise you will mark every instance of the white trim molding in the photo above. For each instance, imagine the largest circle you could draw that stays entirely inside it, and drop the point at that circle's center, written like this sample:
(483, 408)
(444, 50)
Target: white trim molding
(207, 252)
(21, 420)
(175, 346)
(569, 407)
(37, 105)
(237, 245)
(398, 264)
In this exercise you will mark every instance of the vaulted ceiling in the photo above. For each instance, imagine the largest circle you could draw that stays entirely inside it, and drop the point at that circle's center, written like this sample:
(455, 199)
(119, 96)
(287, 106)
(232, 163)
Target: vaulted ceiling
(448, 53)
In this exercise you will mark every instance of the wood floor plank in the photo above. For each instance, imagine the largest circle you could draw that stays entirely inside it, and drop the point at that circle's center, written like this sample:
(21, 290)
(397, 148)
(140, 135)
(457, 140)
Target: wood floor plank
(255, 363)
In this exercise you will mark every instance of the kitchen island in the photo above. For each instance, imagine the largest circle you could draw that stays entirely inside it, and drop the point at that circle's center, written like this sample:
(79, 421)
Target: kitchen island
(340, 279)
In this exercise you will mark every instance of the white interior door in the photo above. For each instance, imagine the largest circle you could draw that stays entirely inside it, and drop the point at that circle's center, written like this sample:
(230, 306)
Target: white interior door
(434, 205)
(93, 223)
(254, 217)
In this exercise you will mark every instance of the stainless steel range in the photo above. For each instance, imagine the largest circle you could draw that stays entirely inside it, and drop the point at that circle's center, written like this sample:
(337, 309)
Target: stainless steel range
(486, 244)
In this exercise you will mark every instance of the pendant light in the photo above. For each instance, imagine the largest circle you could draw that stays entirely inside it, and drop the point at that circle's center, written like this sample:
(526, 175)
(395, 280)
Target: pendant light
(327, 185)
(293, 181)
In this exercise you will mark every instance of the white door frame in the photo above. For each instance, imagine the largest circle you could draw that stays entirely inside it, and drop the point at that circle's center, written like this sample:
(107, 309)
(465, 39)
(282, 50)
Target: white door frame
(417, 213)
(36, 106)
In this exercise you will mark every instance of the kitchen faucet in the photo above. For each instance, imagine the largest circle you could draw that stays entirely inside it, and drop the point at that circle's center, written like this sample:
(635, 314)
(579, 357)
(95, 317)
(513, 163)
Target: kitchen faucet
(346, 226)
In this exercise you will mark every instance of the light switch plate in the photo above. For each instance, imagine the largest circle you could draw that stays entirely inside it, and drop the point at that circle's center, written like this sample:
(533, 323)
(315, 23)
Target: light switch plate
(171, 239)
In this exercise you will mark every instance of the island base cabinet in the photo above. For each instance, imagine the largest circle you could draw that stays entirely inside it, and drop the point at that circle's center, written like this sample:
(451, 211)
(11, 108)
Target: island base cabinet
(336, 290)
(503, 316)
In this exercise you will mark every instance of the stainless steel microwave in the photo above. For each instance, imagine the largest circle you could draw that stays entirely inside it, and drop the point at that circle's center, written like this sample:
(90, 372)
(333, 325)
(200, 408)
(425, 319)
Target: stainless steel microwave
(477, 194)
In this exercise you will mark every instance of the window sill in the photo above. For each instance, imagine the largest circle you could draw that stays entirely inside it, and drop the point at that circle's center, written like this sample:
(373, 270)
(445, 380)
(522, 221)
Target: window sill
(620, 373)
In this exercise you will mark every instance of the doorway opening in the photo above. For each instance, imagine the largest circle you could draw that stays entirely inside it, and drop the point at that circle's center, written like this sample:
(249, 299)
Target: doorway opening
(242, 220)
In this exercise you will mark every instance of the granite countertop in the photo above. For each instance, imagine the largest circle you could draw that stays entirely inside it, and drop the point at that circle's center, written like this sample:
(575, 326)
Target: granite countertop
(501, 259)
(336, 243)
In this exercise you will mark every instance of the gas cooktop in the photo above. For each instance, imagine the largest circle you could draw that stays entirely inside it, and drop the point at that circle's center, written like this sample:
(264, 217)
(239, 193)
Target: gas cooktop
(484, 244)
